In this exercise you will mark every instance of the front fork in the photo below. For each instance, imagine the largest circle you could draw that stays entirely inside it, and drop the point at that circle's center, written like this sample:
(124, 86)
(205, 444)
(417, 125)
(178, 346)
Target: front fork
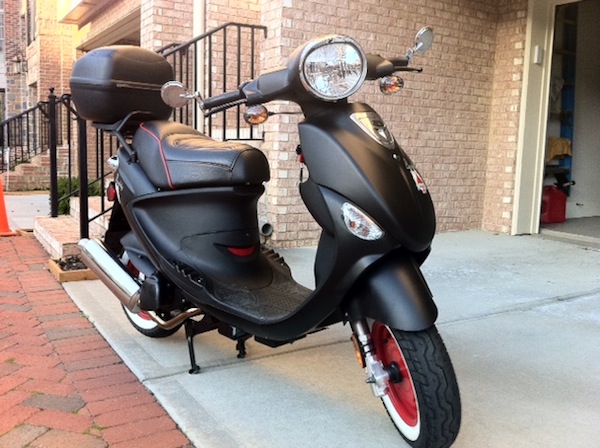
(377, 374)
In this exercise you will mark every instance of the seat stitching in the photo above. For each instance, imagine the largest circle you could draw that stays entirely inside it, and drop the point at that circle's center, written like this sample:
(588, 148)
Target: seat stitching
(162, 154)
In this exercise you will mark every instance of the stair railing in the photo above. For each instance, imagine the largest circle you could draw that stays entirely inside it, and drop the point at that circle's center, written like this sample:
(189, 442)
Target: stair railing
(213, 62)
(23, 136)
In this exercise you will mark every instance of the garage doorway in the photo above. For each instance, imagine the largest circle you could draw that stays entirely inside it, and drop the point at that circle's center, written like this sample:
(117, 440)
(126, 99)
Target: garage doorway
(571, 191)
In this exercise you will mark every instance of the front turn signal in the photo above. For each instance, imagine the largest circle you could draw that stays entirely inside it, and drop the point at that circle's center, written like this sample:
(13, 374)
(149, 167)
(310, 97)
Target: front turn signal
(360, 224)
(256, 114)
(391, 84)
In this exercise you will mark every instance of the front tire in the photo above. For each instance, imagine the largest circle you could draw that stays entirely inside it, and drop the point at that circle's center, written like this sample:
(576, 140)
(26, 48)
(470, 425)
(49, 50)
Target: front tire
(422, 398)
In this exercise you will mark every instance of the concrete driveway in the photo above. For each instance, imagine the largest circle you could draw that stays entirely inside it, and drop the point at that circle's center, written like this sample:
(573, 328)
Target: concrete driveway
(520, 317)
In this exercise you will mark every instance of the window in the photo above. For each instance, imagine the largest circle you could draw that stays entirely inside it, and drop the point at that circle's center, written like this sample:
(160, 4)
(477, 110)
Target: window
(1, 25)
(30, 20)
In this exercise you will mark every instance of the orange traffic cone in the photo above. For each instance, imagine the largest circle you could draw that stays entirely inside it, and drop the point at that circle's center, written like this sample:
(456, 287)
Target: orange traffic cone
(4, 229)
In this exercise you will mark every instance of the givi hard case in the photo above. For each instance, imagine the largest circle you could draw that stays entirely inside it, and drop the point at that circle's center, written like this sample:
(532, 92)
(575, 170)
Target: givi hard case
(110, 82)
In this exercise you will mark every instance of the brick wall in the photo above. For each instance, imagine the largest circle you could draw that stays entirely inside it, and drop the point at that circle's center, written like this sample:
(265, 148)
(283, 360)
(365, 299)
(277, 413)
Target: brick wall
(504, 116)
(293, 224)
(15, 42)
(165, 22)
(114, 11)
(51, 55)
(442, 118)
(219, 12)
(458, 120)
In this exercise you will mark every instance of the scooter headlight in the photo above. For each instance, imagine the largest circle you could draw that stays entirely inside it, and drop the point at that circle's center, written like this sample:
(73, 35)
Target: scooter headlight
(360, 224)
(332, 67)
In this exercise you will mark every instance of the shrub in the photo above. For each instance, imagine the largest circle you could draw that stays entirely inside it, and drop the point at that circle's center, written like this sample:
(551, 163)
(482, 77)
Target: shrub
(65, 193)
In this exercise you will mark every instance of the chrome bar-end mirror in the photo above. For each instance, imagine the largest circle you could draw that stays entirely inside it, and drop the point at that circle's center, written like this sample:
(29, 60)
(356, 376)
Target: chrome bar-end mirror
(174, 94)
(423, 40)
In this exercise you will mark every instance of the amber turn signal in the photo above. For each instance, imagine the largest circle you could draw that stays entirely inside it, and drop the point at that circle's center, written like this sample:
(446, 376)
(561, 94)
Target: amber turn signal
(391, 84)
(256, 114)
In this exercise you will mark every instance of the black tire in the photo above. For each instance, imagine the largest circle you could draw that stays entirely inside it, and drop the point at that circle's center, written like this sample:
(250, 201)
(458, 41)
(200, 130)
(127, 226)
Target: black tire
(423, 400)
(144, 324)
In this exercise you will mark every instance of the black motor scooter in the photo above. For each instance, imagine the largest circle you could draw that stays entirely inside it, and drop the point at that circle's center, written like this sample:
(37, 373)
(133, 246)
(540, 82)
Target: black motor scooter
(183, 246)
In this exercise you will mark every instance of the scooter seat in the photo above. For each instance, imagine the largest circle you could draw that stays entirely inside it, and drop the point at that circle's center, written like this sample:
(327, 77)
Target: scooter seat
(176, 156)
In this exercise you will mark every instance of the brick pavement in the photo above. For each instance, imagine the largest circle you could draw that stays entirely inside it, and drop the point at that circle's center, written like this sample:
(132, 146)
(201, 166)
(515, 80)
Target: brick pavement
(61, 385)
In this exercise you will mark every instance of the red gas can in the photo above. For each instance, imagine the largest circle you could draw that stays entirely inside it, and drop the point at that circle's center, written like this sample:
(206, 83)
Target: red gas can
(554, 205)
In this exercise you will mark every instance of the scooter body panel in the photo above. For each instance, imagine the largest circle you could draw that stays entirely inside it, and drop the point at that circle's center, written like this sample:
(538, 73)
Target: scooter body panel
(191, 236)
(381, 180)
(191, 231)
(196, 227)
(378, 279)
(394, 292)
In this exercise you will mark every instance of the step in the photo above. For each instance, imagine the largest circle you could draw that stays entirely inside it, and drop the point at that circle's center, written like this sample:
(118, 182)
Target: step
(15, 181)
(59, 236)
(94, 208)
(35, 173)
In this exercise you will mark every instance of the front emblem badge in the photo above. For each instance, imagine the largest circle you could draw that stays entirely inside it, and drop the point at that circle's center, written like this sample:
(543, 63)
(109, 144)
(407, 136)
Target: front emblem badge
(419, 182)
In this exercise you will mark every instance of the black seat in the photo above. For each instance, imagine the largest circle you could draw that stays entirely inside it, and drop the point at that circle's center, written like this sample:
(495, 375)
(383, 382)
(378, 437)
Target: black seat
(175, 156)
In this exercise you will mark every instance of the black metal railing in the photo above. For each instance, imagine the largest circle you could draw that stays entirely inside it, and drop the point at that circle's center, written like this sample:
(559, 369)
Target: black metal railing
(84, 152)
(78, 152)
(23, 136)
(215, 62)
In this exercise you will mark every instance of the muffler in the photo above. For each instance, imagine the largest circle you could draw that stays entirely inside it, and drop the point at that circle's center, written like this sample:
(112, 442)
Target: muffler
(111, 272)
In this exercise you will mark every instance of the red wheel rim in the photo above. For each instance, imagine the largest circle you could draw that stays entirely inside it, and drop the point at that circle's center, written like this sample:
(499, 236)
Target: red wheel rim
(136, 273)
(401, 394)
(144, 315)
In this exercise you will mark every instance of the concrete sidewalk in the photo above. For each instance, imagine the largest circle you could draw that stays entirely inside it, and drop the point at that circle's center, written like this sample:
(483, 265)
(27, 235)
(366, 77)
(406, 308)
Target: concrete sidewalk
(22, 208)
(520, 317)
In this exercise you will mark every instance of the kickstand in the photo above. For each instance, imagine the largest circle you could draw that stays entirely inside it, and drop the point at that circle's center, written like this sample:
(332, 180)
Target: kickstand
(241, 346)
(192, 328)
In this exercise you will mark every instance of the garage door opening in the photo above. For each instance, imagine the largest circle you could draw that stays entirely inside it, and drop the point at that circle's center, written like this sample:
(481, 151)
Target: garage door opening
(571, 187)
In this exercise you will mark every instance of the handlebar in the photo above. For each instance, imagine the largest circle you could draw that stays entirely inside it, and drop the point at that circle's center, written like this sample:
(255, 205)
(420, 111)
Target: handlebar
(224, 99)
(400, 63)
(266, 87)
(378, 67)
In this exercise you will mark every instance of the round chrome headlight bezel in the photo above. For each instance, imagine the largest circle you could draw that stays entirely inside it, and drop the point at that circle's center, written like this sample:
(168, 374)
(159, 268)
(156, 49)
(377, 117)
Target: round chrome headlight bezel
(326, 83)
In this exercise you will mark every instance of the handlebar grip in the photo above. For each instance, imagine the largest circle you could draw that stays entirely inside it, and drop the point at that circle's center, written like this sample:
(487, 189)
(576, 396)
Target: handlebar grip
(378, 67)
(222, 99)
(399, 63)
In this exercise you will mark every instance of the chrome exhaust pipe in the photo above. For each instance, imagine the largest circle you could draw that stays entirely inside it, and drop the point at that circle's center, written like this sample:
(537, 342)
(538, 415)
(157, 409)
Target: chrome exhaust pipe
(177, 320)
(111, 272)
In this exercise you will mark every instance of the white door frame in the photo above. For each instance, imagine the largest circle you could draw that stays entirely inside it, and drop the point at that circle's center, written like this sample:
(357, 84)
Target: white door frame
(529, 171)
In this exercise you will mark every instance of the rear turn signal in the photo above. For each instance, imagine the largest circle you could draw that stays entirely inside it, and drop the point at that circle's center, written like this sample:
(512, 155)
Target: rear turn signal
(111, 192)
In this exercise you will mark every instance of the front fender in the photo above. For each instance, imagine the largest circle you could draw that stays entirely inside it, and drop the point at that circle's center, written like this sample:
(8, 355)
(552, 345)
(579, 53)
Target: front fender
(394, 292)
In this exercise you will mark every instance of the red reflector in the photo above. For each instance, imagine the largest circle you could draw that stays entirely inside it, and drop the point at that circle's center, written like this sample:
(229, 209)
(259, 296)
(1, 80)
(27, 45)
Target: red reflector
(242, 251)
(111, 192)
